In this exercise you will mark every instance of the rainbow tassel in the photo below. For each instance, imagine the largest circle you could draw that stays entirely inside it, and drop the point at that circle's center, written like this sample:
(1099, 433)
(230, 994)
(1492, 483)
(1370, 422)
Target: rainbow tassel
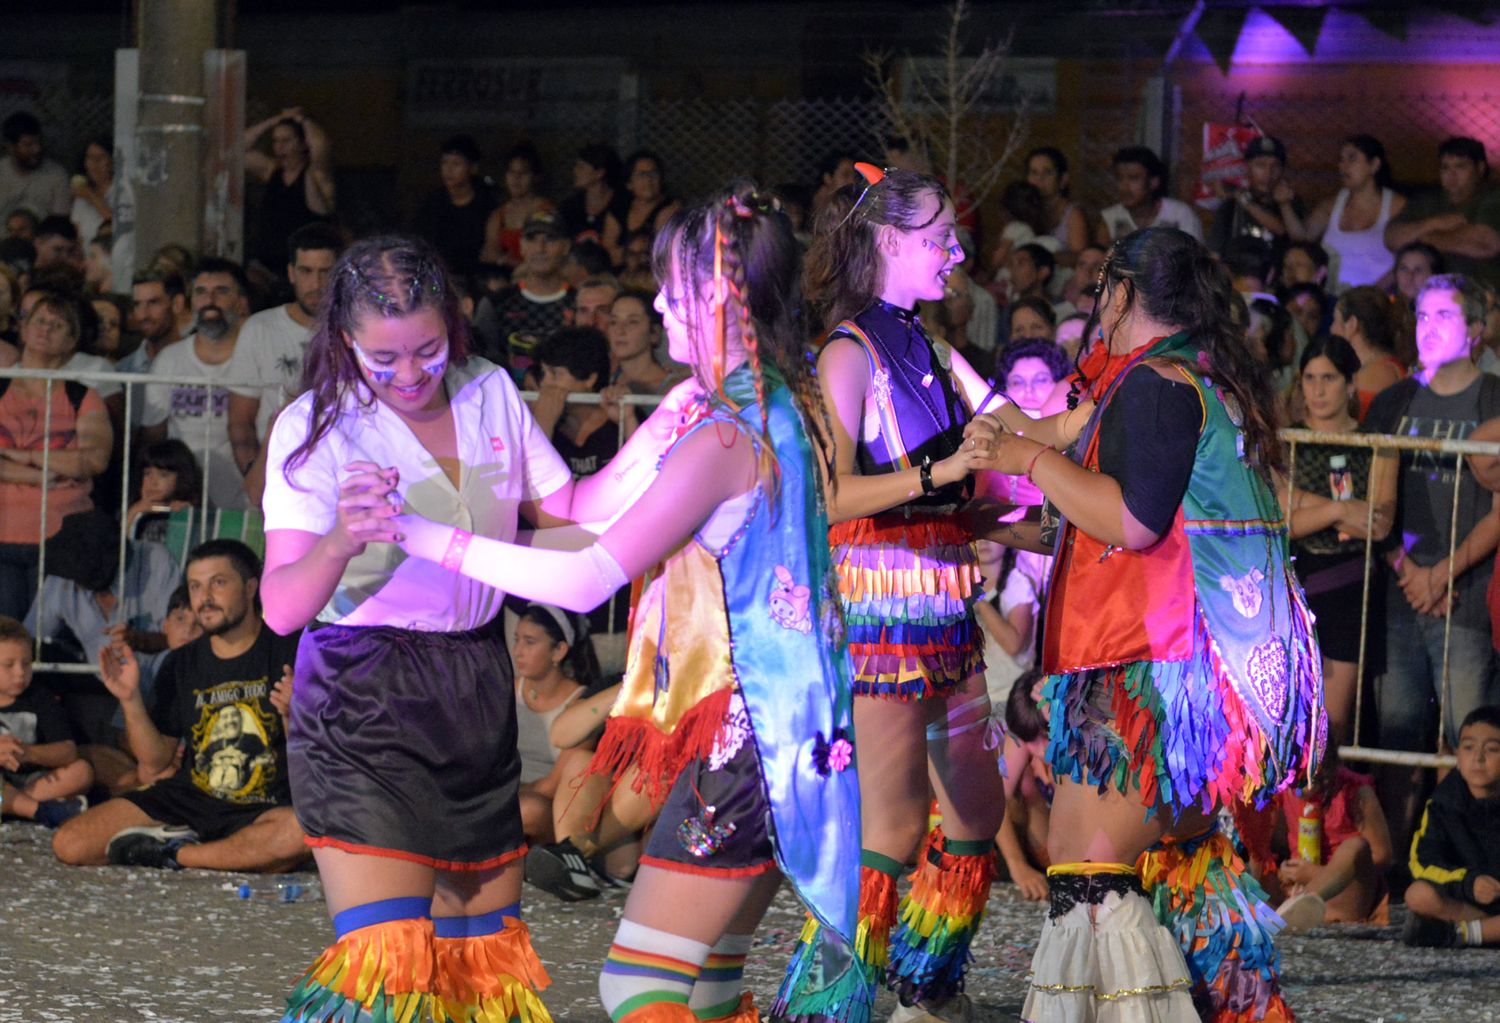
(1205, 897)
(491, 978)
(383, 973)
(937, 920)
(807, 994)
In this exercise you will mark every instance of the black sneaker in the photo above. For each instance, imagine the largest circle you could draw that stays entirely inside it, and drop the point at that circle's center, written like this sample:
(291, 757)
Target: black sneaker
(560, 870)
(54, 813)
(605, 879)
(1428, 932)
(154, 845)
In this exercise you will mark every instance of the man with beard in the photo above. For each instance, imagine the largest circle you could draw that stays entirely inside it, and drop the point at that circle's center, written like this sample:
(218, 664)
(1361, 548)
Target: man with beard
(219, 302)
(224, 694)
(267, 363)
(28, 180)
(156, 297)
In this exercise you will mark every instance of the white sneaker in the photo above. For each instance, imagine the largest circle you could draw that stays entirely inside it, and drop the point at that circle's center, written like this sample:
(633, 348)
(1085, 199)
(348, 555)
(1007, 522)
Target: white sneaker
(1302, 912)
(958, 1009)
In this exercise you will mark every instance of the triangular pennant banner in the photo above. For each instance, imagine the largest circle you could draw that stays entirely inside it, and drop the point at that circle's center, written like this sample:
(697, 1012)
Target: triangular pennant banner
(1302, 23)
(1393, 21)
(1219, 28)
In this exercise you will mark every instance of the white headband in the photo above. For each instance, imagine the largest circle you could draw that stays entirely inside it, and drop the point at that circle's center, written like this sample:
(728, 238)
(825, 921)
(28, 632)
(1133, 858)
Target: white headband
(561, 618)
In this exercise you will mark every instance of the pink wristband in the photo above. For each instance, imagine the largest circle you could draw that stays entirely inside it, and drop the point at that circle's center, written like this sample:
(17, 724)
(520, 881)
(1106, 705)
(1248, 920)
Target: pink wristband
(458, 546)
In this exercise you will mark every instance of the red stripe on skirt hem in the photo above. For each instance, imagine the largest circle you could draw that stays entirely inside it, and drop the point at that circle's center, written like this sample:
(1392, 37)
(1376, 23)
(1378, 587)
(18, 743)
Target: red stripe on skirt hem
(402, 854)
(706, 871)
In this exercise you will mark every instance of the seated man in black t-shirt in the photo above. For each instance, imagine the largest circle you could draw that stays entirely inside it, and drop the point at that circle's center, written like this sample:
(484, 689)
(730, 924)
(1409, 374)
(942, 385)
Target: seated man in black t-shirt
(225, 694)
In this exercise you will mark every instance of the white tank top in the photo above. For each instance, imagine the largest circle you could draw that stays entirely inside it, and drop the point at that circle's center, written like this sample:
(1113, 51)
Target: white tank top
(533, 730)
(1362, 255)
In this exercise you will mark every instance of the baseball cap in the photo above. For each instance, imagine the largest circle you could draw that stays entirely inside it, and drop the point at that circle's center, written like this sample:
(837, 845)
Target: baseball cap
(1265, 145)
(549, 224)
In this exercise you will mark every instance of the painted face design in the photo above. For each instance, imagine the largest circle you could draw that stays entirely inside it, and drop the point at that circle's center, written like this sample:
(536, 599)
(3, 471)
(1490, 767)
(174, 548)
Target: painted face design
(381, 375)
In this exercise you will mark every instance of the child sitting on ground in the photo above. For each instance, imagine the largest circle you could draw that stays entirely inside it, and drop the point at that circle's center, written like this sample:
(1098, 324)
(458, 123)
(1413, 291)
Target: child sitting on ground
(1028, 788)
(1455, 854)
(43, 777)
(1346, 883)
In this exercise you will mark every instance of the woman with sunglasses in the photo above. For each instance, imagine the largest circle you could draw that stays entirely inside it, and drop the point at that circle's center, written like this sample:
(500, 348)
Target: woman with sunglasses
(908, 578)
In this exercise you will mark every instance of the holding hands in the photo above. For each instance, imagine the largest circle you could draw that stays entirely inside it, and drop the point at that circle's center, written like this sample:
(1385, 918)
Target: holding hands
(368, 503)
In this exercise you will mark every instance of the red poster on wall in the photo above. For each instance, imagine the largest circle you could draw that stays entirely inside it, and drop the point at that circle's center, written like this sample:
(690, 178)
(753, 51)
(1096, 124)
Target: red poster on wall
(1223, 162)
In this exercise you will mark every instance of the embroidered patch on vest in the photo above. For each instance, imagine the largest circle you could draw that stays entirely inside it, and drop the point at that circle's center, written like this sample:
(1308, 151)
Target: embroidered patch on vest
(1245, 591)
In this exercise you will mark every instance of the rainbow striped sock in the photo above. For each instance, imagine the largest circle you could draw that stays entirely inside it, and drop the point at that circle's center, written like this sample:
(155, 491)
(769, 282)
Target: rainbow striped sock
(717, 992)
(645, 965)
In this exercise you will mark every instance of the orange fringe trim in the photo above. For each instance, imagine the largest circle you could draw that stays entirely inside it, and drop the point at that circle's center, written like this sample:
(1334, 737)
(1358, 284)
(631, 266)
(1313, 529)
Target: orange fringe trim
(661, 756)
(493, 978)
(661, 1012)
(877, 915)
(397, 952)
(916, 533)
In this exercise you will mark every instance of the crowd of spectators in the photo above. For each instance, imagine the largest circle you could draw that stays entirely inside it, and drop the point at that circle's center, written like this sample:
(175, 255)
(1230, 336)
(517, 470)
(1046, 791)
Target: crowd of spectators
(1373, 308)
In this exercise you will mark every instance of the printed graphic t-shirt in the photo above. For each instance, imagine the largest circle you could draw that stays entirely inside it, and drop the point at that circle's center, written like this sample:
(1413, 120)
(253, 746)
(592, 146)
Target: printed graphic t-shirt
(236, 744)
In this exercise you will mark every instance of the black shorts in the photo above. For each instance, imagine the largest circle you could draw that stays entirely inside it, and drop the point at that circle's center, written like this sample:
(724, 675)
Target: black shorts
(1334, 584)
(403, 743)
(737, 793)
(176, 800)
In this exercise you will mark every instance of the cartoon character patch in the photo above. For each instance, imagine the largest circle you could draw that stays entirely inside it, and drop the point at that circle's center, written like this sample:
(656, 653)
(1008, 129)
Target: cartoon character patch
(1244, 591)
(731, 736)
(789, 603)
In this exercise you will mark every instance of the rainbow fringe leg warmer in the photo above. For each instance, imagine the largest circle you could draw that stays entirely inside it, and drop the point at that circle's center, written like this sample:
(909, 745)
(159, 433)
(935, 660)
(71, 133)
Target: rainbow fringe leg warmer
(823, 983)
(487, 971)
(937, 920)
(1203, 893)
(380, 968)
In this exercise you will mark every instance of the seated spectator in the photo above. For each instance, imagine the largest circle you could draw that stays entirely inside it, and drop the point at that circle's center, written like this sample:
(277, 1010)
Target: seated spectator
(1064, 220)
(1262, 208)
(597, 197)
(1461, 219)
(77, 450)
(42, 777)
(112, 312)
(57, 244)
(1352, 224)
(1010, 615)
(651, 206)
(509, 327)
(1141, 185)
(554, 667)
(268, 353)
(1365, 318)
(1309, 305)
(91, 211)
(1345, 882)
(1082, 288)
(168, 479)
(454, 215)
(1454, 898)
(1031, 319)
(1272, 339)
(1250, 263)
(598, 831)
(636, 345)
(1028, 789)
(835, 171)
(173, 258)
(156, 299)
(635, 272)
(586, 261)
(506, 224)
(220, 304)
(1030, 268)
(593, 298)
(575, 360)
(1302, 263)
(87, 601)
(298, 180)
(226, 694)
(1027, 210)
(1415, 262)
(28, 180)
(796, 201)
(21, 224)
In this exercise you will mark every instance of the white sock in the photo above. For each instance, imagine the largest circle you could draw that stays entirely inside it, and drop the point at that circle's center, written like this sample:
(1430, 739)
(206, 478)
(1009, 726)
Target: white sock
(723, 978)
(1471, 932)
(645, 965)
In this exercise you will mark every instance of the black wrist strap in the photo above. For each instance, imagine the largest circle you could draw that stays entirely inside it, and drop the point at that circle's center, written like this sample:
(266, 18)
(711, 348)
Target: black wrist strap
(926, 475)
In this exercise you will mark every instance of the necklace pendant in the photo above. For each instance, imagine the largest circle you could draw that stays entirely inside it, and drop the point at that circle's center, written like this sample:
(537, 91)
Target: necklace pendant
(927, 380)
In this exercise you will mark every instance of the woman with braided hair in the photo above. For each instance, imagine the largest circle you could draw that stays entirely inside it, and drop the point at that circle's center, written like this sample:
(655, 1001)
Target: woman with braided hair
(402, 733)
(735, 706)
(1183, 671)
(908, 577)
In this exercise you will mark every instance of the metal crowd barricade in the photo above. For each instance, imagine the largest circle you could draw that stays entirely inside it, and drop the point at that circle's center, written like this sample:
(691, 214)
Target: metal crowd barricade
(1378, 443)
(130, 382)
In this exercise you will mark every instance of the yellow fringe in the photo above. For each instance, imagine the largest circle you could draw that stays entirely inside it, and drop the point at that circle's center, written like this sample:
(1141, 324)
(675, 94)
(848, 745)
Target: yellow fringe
(393, 958)
(1090, 868)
